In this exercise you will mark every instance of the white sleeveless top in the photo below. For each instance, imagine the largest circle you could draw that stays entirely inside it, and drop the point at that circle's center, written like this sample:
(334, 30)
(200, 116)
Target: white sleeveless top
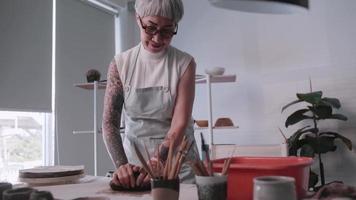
(151, 68)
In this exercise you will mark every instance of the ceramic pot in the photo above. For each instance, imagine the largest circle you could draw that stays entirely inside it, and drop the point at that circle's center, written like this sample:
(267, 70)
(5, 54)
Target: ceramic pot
(165, 189)
(17, 194)
(274, 188)
(93, 75)
(42, 195)
(4, 186)
(211, 187)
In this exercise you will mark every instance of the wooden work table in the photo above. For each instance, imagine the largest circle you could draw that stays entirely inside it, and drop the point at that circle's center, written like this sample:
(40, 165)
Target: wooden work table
(95, 186)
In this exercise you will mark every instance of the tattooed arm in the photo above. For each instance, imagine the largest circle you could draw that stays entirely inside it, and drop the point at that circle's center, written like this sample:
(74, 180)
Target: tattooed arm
(113, 102)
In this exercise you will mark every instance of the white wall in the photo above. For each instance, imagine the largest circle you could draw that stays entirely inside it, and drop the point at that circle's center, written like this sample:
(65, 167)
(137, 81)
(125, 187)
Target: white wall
(273, 57)
(84, 40)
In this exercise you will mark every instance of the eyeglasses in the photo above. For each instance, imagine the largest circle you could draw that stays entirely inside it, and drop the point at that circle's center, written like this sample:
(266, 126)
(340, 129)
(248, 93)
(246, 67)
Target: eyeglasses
(153, 30)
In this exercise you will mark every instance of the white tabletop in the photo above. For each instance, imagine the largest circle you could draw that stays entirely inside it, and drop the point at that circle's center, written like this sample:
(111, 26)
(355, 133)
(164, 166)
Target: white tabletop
(91, 186)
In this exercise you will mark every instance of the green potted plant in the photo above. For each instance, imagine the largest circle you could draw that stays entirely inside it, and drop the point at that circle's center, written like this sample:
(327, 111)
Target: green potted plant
(310, 140)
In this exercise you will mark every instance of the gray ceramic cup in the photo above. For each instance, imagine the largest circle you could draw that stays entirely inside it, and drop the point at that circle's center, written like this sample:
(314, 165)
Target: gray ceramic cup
(17, 193)
(4, 186)
(274, 188)
(165, 189)
(211, 187)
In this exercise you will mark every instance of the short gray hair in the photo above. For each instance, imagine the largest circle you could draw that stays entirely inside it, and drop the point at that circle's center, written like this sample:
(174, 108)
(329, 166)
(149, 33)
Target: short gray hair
(172, 9)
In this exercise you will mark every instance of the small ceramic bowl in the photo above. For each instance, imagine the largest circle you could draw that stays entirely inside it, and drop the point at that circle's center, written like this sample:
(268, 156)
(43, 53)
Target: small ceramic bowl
(215, 71)
(39, 195)
(17, 193)
(202, 123)
(224, 121)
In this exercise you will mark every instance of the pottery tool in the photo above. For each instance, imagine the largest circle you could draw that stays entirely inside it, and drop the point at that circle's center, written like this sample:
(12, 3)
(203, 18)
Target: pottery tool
(143, 162)
(182, 153)
(149, 160)
(198, 167)
(168, 162)
(195, 168)
(227, 162)
(205, 149)
(172, 166)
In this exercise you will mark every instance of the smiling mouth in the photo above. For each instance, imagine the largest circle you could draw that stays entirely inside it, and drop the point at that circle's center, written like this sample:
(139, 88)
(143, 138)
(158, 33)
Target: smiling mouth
(156, 45)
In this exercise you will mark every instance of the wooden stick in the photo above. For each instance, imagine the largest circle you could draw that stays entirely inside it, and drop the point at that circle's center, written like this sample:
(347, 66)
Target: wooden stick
(168, 163)
(177, 158)
(224, 166)
(142, 160)
(149, 160)
(203, 168)
(195, 168)
(159, 163)
(182, 158)
(228, 161)
(209, 163)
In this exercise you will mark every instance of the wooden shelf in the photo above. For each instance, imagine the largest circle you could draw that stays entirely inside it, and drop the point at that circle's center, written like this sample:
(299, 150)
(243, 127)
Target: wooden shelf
(216, 79)
(217, 128)
(198, 79)
(90, 86)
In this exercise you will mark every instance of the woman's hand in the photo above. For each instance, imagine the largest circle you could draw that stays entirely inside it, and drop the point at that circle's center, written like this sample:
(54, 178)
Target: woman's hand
(124, 175)
(144, 177)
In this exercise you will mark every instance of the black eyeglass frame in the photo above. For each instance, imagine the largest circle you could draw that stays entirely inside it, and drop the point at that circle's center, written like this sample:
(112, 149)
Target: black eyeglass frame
(144, 27)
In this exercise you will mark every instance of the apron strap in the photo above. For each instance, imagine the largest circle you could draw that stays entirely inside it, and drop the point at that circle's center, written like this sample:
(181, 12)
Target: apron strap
(132, 67)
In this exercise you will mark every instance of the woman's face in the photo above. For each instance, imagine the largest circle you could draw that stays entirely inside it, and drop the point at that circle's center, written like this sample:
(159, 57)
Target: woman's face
(156, 32)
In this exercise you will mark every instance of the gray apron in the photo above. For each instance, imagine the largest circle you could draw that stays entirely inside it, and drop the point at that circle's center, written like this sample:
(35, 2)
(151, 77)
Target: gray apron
(148, 116)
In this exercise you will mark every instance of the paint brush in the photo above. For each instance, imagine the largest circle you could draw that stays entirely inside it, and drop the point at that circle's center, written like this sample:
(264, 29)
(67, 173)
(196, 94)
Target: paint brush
(142, 160)
(182, 157)
(149, 160)
(227, 162)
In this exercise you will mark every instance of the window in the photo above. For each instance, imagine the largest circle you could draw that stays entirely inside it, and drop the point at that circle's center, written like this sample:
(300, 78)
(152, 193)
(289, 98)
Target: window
(25, 142)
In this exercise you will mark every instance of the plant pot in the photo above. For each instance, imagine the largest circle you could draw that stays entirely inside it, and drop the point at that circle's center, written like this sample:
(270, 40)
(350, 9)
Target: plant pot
(93, 75)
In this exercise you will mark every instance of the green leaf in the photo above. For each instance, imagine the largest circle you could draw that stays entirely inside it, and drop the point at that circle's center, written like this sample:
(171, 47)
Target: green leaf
(322, 144)
(326, 144)
(291, 103)
(312, 97)
(322, 112)
(292, 151)
(313, 179)
(309, 140)
(297, 144)
(293, 141)
(333, 102)
(346, 141)
(300, 132)
(339, 117)
(296, 117)
(307, 151)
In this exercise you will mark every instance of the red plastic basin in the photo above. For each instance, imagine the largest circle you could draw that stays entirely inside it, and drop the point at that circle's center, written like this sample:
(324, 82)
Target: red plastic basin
(243, 169)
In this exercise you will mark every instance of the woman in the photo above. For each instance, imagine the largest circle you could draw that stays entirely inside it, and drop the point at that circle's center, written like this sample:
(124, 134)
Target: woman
(154, 82)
